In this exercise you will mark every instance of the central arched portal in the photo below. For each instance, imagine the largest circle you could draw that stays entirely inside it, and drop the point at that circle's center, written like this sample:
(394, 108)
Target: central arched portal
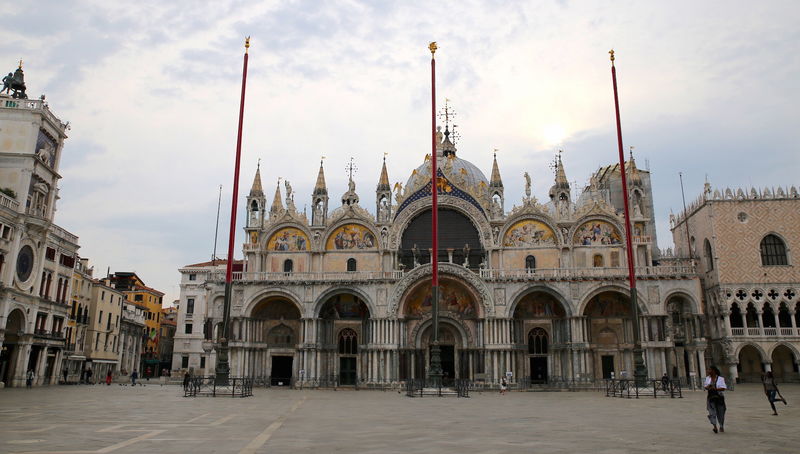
(459, 317)
(455, 364)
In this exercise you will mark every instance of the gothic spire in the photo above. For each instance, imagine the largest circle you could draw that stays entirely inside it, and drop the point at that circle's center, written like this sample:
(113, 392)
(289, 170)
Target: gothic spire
(561, 176)
(383, 181)
(256, 190)
(496, 181)
(320, 188)
(277, 203)
(635, 177)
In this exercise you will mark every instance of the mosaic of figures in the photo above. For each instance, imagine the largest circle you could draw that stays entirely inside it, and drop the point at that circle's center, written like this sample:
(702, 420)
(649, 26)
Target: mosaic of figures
(527, 233)
(351, 236)
(454, 297)
(597, 233)
(609, 304)
(343, 307)
(288, 239)
(538, 305)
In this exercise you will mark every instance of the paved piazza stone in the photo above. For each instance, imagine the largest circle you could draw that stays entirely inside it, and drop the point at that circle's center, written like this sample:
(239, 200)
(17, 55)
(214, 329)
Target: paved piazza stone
(122, 419)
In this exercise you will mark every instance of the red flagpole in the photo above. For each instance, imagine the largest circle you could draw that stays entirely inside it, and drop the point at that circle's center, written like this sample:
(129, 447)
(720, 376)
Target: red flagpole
(434, 189)
(640, 372)
(435, 371)
(234, 201)
(223, 366)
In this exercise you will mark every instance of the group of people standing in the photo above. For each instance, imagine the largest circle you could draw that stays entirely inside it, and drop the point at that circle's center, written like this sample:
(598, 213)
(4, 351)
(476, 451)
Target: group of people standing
(715, 399)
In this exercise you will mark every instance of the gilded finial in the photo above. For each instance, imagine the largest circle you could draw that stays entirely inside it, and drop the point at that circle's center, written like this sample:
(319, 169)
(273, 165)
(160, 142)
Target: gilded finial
(611, 52)
(432, 46)
(20, 64)
(246, 44)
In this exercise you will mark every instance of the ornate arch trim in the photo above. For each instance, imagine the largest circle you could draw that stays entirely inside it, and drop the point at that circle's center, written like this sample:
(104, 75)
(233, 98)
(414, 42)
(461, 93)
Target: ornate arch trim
(517, 297)
(273, 292)
(788, 345)
(511, 221)
(323, 298)
(427, 321)
(587, 297)
(682, 293)
(759, 349)
(404, 218)
(424, 271)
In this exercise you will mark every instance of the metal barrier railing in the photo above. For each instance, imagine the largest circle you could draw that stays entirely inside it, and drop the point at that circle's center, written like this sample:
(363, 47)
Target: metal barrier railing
(418, 387)
(628, 388)
(210, 386)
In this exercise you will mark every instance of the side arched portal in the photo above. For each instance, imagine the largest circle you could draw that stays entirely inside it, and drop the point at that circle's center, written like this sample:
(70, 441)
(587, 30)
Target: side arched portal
(11, 355)
(610, 334)
(541, 335)
(343, 330)
(268, 340)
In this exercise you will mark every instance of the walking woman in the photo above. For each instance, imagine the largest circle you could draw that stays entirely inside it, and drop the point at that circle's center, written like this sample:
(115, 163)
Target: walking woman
(771, 389)
(715, 402)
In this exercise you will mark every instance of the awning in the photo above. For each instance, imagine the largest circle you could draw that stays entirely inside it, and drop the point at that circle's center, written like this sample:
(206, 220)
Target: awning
(105, 361)
(76, 358)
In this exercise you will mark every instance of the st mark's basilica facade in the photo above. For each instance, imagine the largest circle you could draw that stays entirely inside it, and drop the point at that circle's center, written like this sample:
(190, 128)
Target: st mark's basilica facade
(539, 290)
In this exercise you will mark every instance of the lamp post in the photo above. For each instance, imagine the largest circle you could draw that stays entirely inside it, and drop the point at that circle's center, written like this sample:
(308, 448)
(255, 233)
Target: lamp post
(639, 368)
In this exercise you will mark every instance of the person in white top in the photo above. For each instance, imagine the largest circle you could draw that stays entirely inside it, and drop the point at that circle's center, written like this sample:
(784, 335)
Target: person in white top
(715, 402)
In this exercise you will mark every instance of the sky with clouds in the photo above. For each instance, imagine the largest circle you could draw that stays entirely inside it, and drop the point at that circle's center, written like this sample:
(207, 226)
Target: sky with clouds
(151, 89)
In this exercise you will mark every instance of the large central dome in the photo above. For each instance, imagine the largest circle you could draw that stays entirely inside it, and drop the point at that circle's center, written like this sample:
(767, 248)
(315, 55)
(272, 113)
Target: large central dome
(454, 166)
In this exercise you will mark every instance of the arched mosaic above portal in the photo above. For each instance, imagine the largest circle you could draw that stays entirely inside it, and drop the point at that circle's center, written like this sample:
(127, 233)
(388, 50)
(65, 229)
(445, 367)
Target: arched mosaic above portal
(351, 236)
(597, 233)
(288, 239)
(536, 305)
(528, 233)
(453, 297)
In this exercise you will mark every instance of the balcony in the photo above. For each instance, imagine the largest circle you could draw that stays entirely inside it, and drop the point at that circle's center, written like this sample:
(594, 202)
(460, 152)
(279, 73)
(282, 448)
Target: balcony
(588, 273)
(345, 276)
(765, 332)
(34, 105)
(8, 202)
(63, 234)
(642, 272)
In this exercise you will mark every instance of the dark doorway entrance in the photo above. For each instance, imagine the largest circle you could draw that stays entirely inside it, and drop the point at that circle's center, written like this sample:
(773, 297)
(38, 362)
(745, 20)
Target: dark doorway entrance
(448, 364)
(608, 365)
(6, 363)
(281, 371)
(347, 371)
(538, 369)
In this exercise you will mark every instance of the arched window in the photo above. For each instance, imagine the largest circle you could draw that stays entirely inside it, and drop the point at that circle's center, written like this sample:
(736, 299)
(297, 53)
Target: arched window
(597, 261)
(348, 342)
(709, 256)
(773, 251)
(736, 316)
(281, 335)
(784, 317)
(253, 206)
(351, 264)
(537, 342)
(767, 316)
(288, 266)
(530, 262)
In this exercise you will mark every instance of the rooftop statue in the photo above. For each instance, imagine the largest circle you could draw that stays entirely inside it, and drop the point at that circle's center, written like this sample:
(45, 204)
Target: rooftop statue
(15, 82)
